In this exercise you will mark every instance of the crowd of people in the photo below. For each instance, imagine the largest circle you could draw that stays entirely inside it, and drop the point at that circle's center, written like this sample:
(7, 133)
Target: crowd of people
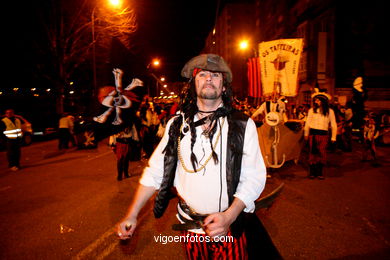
(347, 128)
(338, 129)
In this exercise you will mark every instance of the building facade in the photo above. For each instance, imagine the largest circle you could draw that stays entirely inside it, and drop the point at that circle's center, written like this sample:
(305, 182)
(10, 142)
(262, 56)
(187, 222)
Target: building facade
(342, 40)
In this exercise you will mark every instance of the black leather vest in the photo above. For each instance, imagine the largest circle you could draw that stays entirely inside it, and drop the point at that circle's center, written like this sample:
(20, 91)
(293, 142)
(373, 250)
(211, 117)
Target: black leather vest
(237, 123)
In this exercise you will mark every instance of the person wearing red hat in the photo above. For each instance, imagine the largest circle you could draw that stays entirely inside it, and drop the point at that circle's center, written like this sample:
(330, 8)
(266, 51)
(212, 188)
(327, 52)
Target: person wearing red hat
(319, 117)
(210, 156)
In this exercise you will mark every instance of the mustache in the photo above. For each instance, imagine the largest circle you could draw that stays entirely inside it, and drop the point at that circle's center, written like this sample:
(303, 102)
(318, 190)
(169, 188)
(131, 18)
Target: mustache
(209, 85)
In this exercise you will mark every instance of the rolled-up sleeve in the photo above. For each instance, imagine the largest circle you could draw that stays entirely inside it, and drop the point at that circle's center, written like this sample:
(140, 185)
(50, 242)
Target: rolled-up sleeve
(153, 173)
(253, 171)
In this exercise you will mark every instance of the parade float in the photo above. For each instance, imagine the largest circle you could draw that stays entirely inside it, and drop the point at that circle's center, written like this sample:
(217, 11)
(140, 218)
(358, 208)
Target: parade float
(280, 139)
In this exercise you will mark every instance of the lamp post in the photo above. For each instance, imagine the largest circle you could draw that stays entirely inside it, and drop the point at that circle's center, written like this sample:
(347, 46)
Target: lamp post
(244, 45)
(155, 63)
(93, 52)
(115, 4)
(247, 57)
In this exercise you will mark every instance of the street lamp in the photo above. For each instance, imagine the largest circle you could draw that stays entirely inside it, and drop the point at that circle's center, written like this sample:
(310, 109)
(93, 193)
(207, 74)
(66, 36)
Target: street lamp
(93, 51)
(244, 45)
(155, 63)
(115, 4)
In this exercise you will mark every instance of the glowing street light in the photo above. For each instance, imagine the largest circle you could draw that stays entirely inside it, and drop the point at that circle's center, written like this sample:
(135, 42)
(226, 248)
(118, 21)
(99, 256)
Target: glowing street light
(116, 3)
(243, 44)
(156, 62)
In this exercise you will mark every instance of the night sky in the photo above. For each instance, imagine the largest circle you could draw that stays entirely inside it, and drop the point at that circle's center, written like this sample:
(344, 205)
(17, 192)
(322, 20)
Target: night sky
(172, 30)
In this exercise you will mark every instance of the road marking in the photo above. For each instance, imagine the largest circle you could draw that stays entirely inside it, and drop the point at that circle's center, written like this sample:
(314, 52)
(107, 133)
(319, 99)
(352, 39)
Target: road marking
(97, 156)
(92, 249)
(375, 230)
(107, 251)
(93, 246)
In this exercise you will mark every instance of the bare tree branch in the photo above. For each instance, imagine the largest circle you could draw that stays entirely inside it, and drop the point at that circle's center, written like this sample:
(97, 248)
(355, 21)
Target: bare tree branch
(66, 41)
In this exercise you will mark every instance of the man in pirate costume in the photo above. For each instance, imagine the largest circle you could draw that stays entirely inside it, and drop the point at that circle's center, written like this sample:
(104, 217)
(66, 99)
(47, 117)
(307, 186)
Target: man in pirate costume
(319, 117)
(210, 156)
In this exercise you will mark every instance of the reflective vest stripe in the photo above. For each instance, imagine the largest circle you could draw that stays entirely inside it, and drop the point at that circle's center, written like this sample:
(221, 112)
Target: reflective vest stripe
(12, 131)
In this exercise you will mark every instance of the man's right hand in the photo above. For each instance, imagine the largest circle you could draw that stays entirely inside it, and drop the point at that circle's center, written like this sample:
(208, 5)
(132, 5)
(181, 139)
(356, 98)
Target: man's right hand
(125, 228)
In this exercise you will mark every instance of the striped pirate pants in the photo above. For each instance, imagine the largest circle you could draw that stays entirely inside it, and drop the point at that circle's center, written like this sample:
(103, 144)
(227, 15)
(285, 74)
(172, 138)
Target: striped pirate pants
(318, 144)
(198, 249)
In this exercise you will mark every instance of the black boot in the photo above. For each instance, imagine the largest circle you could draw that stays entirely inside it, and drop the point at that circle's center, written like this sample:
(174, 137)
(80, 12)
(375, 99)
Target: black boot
(126, 168)
(312, 171)
(319, 171)
(119, 169)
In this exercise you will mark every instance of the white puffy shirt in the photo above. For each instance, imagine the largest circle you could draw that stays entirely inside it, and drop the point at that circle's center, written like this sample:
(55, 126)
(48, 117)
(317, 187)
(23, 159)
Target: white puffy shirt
(320, 122)
(201, 190)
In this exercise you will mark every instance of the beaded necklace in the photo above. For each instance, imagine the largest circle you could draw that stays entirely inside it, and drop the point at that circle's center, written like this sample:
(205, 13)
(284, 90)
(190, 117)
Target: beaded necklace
(208, 159)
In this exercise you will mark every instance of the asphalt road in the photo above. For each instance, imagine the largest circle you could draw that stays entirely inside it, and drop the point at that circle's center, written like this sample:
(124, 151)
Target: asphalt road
(64, 205)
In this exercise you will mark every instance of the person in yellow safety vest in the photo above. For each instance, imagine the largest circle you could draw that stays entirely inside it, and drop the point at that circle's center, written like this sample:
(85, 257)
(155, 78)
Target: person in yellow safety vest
(12, 129)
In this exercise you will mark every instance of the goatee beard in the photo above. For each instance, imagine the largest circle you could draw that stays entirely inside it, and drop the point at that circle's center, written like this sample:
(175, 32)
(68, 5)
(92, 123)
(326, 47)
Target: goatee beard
(209, 94)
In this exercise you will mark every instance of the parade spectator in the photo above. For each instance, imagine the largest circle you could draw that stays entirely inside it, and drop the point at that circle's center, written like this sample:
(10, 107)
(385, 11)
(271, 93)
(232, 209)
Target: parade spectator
(65, 130)
(11, 127)
(122, 144)
(150, 123)
(72, 136)
(340, 120)
(370, 133)
(316, 132)
(347, 134)
(210, 154)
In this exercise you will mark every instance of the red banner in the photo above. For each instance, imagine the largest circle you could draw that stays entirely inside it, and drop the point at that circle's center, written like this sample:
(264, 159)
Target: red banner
(254, 79)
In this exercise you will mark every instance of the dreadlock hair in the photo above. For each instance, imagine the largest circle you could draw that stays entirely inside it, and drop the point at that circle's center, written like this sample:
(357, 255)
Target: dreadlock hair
(324, 105)
(188, 106)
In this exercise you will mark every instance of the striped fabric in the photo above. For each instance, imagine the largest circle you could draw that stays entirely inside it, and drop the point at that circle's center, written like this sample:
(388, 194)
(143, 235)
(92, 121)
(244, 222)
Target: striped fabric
(121, 150)
(236, 250)
(318, 144)
(254, 79)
